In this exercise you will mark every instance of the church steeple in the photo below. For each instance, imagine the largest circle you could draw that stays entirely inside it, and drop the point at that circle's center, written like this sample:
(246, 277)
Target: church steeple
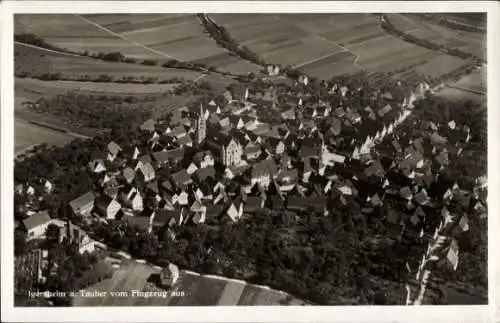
(201, 126)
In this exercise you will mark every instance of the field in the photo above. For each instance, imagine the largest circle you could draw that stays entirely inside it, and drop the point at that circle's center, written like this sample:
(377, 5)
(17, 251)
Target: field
(27, 135)
(198, 290)
(470, 87)
(144, 36)
(474, 43)
(36, 61)
(326, 45)
(95, 87)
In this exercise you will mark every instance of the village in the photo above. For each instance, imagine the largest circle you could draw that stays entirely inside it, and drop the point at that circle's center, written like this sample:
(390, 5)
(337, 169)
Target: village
(281, 149)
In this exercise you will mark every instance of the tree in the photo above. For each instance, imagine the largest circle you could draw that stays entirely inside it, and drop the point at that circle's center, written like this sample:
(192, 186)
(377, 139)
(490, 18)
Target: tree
(52, 233)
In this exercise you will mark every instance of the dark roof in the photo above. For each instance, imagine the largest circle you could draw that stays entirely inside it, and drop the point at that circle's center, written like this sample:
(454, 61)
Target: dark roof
(141, 222)
(252, 148)
(181, 177)
(83, 200)
(202, 173)
(218, 138)
(163, 156)
(214, 211)
(145, 159)
(153, 186)
(163, 217)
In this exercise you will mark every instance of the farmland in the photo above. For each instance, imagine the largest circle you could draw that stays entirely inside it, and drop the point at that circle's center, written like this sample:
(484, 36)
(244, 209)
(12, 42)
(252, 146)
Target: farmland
(93, 87)
(198, 290)
(329, 45)
(27, 135)
(150, 36)
(34, 61)
(474, 43)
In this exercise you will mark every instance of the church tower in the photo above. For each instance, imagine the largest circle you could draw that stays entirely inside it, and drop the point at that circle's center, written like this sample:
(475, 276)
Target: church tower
(201, 126)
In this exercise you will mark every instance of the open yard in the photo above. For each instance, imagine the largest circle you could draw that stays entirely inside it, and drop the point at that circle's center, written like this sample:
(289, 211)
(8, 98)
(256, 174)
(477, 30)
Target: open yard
(198, 290)
(144, 36)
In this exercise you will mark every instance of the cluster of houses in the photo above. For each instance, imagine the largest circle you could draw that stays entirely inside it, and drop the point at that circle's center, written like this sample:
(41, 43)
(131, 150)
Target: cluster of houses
(220, 161)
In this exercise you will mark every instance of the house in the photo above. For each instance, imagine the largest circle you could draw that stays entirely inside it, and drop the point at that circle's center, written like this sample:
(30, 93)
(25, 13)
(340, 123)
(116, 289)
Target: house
(262, 172)
(131, 197)
(452, 254)
(275, 146)
(185, 141)
(181, 198)
(182, 178)
(201, 174)
(253, 203)
(148, 126)
(147, 171)
(97, 165)
(107, 207)
(199, 212)
(142, 160)
(203, 159)
(36, 225)
(47, 187)
(131, 152)
(74, 234)
(252, 151)
(234, 211)
(224, 148)
(161, 218)
(169, 276)
(375, 169)
(288, 176)
(213, 212)
(84, 204)
(113, 150)
(128, 175)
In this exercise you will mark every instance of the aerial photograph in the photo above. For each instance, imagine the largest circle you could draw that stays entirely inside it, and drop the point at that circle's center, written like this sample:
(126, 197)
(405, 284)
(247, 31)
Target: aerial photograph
(245, 159)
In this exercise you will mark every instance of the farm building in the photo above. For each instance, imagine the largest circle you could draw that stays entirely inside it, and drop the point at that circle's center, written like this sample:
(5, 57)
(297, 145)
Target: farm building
(169, 275)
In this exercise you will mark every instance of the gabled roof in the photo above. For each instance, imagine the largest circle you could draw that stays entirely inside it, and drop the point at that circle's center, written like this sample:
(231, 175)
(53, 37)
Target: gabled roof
(113, 148)
(83, 200)
(375, 169)
(181, 177)
(148, 125)
(36, 220)
(145, 159)
(203, 173)
(128, 173)
(147, 169)
(218, 138)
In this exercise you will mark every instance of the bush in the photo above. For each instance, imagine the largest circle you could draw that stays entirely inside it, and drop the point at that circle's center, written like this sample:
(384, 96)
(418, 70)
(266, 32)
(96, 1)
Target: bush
(149, 62)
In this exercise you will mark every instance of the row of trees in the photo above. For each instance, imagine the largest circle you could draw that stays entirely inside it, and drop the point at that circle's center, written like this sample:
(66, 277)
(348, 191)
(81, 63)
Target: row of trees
(224, 39)
(448, 22)
(103, 78)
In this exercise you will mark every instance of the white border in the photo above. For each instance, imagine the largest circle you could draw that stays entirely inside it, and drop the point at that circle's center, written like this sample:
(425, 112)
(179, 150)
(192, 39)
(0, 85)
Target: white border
(489, 313)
